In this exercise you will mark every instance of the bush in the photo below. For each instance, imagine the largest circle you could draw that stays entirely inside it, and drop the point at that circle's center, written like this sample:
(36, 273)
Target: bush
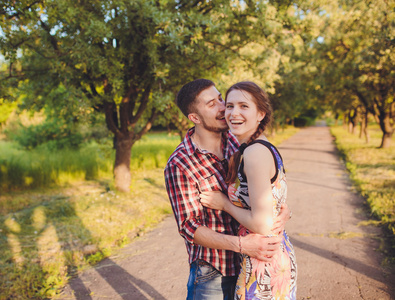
(303, 121)
(56, 134)
(42, 167)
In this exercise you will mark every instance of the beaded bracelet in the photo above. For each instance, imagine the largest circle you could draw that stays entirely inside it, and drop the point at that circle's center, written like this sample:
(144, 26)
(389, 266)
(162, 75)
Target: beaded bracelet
(241, 249)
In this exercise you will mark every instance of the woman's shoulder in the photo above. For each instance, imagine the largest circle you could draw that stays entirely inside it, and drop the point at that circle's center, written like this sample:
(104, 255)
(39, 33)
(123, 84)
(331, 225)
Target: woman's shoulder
(256, 150)
(260, 144)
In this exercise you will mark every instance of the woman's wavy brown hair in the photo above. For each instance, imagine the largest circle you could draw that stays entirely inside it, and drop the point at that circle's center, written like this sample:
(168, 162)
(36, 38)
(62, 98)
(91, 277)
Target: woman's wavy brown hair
(262, 101)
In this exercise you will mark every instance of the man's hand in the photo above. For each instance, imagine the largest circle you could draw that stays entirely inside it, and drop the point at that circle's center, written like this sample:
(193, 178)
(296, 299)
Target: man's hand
(281, 219)
(260, 247)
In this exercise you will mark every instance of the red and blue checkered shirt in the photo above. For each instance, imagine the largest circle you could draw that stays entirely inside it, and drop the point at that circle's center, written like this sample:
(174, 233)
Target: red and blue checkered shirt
(190, 171)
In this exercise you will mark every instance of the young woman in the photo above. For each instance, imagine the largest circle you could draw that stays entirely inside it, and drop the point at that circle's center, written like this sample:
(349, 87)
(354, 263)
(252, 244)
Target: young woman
(257, 189)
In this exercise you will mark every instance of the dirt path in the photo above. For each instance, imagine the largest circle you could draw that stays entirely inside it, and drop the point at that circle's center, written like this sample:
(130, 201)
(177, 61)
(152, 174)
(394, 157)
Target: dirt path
(337, 259)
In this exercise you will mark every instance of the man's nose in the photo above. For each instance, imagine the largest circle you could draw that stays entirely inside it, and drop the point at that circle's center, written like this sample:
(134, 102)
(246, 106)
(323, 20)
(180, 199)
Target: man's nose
(221, 105)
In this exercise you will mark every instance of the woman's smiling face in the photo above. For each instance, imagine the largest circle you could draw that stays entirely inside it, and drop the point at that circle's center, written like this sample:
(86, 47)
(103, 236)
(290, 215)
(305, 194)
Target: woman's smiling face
(242, 115)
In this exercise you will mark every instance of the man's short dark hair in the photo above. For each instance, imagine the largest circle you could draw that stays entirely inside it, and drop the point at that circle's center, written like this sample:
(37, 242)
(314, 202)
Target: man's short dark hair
(187, 95)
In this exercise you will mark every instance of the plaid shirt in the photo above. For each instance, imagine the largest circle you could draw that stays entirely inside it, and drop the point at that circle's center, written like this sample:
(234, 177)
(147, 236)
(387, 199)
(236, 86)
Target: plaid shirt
(189, 172)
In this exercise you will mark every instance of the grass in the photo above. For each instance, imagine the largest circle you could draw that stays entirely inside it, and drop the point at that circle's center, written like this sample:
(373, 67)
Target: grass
(43, 168)
(282, 135)
(42, 245)
(372, 171)
(50, 233)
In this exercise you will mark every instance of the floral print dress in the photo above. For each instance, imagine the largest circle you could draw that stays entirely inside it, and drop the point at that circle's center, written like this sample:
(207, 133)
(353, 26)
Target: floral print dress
(257, 280)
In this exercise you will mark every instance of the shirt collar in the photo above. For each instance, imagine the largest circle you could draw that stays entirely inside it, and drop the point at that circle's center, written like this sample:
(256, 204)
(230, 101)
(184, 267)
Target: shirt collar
(228, 140)
(188, 143)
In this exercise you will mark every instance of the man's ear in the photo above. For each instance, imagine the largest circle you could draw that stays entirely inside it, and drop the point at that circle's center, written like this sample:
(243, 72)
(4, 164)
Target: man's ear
(194, 118)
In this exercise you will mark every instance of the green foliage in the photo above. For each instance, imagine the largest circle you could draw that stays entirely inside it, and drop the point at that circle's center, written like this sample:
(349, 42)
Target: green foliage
(42, 167)
(354, 62)
(95, 54)
(303, 121)
(126, 59)
(153, 151)
(5, 110)
(55, 134)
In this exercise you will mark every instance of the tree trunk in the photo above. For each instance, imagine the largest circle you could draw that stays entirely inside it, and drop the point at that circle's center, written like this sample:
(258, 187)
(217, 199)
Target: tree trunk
(123, 148)
(353, 120)
(350, 127)
(345, 121)
(364, 127)
(337, 119)
(386, 128)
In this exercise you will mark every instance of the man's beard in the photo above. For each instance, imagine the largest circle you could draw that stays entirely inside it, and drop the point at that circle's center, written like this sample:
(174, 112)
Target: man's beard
(213, 128)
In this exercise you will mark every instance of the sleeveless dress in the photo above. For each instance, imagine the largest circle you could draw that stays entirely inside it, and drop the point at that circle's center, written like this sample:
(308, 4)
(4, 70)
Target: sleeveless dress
(258, 280)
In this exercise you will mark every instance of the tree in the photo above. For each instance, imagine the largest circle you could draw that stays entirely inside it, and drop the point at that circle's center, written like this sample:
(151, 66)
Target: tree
(122, 58)
(357, 57)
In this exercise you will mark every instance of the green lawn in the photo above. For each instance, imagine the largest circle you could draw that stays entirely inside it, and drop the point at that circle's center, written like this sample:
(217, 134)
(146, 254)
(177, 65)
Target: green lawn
(373, 172)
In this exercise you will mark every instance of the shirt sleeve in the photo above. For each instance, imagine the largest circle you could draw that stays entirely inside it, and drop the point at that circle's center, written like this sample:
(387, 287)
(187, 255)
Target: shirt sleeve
(184, 199)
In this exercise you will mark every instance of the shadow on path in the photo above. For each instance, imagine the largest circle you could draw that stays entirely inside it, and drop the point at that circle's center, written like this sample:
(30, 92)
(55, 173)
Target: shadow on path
(334, 152)
(335, 165)
(347, 262)
(80, 290)
(126, 285)
(310, 183)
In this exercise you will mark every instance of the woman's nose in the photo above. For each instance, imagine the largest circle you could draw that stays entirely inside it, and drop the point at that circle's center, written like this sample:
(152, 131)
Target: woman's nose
(234, 111)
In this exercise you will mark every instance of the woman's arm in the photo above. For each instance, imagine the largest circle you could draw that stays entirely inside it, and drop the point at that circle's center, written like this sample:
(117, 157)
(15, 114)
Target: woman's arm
(259, 168)
(217, 200)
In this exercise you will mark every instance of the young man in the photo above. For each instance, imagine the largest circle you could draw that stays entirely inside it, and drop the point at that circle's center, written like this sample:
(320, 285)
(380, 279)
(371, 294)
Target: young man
(200, 164)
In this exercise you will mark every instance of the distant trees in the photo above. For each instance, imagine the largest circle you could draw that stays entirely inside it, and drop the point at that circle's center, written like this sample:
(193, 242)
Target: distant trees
(356, 61)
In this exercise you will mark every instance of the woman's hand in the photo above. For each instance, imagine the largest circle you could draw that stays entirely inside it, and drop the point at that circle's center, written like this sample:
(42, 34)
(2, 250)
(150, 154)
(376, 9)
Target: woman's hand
(281, 219)
(214, 200)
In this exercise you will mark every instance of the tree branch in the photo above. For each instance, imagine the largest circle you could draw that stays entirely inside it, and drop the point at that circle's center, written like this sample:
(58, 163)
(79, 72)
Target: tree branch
(109, 108)
(124, 110)
(52, 39)
(364, 101)
(143, 105)
(148, 125)
(3, 12)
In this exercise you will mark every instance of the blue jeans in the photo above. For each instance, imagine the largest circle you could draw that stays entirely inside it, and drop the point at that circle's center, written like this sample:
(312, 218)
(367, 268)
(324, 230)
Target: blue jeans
(207, 283)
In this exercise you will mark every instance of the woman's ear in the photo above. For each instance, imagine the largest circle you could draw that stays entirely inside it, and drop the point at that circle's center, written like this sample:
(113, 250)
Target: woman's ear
(261, 116)
(194, 118)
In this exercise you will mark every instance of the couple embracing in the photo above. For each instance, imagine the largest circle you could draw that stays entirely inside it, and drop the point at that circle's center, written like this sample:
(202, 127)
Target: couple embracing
(228, 192)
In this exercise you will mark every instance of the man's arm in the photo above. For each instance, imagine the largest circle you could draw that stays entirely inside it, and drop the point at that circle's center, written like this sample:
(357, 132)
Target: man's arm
(183, 196)
(254, 245)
